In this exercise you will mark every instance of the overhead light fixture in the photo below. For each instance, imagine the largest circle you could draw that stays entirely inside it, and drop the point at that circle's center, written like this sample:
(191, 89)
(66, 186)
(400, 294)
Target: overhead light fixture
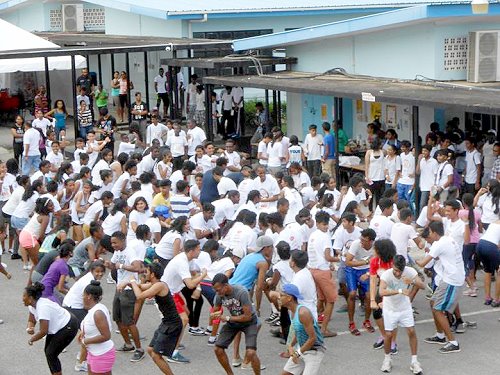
(480, 6)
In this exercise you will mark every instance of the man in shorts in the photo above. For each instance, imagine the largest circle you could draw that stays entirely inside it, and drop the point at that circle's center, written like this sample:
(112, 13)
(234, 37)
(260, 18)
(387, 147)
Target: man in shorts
(450, 277)
(127, 265)
(357, 261)
(396, 285)
(241, 318)
(168, 333)
(177, 275)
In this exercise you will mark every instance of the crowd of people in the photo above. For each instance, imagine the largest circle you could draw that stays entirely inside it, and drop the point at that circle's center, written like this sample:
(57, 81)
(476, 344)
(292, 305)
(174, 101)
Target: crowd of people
(173, 219)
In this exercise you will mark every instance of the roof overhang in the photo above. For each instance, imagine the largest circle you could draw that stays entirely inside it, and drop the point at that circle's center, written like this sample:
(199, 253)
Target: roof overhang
(374, 22)
(233, 61)
(483, 98)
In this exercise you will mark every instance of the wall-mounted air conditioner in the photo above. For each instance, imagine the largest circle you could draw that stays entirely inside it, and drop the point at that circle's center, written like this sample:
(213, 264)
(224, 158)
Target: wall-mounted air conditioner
(72, 17)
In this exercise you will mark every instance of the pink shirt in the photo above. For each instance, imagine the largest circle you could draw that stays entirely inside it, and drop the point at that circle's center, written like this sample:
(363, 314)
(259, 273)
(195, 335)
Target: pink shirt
(474, 233)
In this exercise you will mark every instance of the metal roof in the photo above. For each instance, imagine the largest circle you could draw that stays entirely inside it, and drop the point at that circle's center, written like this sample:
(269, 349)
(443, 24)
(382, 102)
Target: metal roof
(484, 98)
(233, 61)
(95, 43)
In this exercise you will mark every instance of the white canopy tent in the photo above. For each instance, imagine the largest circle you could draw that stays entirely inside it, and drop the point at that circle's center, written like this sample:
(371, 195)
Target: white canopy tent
(25, 40)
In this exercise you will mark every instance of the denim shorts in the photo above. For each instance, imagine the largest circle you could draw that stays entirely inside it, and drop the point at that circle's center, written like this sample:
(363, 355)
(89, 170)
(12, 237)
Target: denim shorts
(19, 222)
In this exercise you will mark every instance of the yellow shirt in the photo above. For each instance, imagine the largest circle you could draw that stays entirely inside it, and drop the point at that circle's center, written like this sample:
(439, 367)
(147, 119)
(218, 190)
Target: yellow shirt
(159, 200)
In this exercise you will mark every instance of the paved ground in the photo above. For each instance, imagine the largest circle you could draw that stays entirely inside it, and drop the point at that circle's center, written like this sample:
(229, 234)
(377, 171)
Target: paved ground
(345, 353)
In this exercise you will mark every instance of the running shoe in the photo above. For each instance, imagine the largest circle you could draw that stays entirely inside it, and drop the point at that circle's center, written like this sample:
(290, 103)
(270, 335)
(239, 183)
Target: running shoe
(138, 355)
(386, 365)
(273, 317)
(277, 323)
(470, 292)
(416, 369)
(379, 344)
(460, 328)
(109, 279)
(394, 349)
(125, 348)
(208, 331)
(435, 340)
(368, 326)
(495, 303)
(353, 329)
(81, 367)
(196, 331)
(321, 317)
(449, 348)
(15, 257)
(488, 301)
(178, 358)
(248, 366)
(236, 362)
(212, 340)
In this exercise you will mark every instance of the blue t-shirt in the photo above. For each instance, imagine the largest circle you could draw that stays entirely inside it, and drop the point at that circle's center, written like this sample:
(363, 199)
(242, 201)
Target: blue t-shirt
(330, 141)
(246, 273)
(209, 192)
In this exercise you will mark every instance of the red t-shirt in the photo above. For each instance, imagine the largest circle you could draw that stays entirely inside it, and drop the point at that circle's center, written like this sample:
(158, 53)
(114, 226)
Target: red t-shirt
(377, 266)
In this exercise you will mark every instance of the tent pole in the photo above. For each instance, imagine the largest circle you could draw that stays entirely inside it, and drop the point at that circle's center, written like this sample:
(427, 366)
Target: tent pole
(112, 64)
(75, 105)
(146, 78)
(415, 127)
(99, 68)
(336, 118)
(47, 80)
(127, 70)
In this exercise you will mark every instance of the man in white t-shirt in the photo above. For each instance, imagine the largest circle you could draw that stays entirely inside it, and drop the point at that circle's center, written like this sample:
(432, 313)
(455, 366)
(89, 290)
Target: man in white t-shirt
(178, 144)
(396, 285)
(268, 188)
(444, 174)
(226, 207)
(161, 88)
(127, 265)
(224, 184)
(312, 150)
(406, 180)
(195, 137)
(41, 122)
(472, 167)
(357, 261)
(382, 224)
(303, 279)
(55, 157)
(357, 193)
(177, 275)
(156, 130)
(450, 277)
(427, 168)
(403, 232)
(31, 153)
(233, 158)
(203, 224)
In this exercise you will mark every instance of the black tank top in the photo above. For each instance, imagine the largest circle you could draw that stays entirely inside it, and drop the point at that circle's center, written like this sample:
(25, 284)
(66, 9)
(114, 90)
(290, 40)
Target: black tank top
(166, 305)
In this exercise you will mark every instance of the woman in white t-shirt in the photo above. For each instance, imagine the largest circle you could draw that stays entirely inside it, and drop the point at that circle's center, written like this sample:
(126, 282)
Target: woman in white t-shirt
(78, 206)
(374, 167)
(488, 200)
(96, 331)
(275, 155)
(116, 221)
(139, 215)
(171, 243)
(293, 196)
(56, 324)
(392, 163)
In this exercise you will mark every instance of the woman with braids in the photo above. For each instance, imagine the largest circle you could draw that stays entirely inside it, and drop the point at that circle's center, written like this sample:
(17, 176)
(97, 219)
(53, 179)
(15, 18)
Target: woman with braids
(488, 200)
(96, 331)
(56, 324)
(63, 173)
(473, 220)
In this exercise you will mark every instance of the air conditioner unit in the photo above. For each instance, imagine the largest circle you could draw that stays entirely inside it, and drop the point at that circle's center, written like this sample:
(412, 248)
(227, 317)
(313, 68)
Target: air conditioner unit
(484, 56)
(72, 15)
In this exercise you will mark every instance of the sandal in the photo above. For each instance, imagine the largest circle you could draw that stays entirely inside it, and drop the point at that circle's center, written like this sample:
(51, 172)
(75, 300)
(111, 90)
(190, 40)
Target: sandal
(354, 330)
(368, 326)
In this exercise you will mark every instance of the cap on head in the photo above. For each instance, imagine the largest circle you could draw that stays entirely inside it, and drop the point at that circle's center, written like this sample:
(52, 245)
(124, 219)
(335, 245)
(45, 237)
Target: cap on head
(292, 290)
(162, 211)
(264, 241)
(238, 252)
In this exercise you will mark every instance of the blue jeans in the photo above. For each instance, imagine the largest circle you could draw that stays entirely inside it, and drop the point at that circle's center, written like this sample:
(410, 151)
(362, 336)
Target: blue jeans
(404, 191)
(84, 130)
(31, 162)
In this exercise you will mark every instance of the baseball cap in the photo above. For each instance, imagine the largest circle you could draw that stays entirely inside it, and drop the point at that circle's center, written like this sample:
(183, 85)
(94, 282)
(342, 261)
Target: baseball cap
(162, 211)
(292, 290)
(238, 252)
(264, 241)
(492, 131)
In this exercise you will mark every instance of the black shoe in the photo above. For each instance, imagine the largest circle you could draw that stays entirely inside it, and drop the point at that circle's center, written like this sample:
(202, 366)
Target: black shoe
(435, 340)
(449, 348)
(15, 256)
(282, 341)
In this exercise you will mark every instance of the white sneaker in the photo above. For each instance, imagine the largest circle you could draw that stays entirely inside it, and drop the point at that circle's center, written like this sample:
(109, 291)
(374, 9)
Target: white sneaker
(416, 369)
(81, 367)
(386, 365)
(109, 279)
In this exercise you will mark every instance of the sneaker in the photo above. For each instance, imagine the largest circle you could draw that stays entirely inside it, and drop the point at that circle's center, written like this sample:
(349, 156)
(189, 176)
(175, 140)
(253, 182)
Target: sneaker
(11, 251)
(470, 292)
(196, 331)
(394, 349)
(236, 362)
(435, 340)
(449, 348)
(212, 340)
(125, 348)
(109, 279)
(386, 365)
(16, 256)
(248, 366)
(273, 317)
(488, 301)
(138, 355)
(208, 331)
(81, 367)
(379, 344)
(353, 329)
(321, 317)
(416, 369)
(368, 326)
(495, 303)
(461, 328)
(276, 324)
(178, 358)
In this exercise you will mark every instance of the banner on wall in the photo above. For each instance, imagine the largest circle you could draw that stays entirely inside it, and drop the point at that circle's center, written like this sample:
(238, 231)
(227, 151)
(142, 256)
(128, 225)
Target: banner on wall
(375, 111)
(324, 112)
(390, 117)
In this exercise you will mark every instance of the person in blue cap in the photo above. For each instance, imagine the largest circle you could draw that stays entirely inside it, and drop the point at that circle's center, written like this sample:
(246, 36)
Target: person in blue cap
(306, 348)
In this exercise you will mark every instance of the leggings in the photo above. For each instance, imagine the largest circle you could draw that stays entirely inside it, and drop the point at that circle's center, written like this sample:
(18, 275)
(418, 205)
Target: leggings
(194, 306)
(285, 322)
(56, 343)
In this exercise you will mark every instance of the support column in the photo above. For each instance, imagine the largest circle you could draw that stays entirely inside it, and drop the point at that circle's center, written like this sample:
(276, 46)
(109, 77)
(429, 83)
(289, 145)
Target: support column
(75, 105)
(112, 64)
(337, 104)
(175, 102)
(208, 109)
(47, 81)
(171, 88)
(415, 129)
(275, 112)
(127, 70)
(99, 69)
(278, 110)
(146, 79)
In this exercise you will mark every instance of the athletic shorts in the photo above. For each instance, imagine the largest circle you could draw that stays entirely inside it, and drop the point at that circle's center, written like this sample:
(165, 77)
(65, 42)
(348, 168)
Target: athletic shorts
(341, 273)
(309, 363)
(27, 239)
(180, 304)
(230, 330)
(123, 307)
(489, 255)
(395, 319)
(445, 297)
(325, 285)
(353, 280)
(469, 255)
(101, 364)
(123, 100)
(165, 338)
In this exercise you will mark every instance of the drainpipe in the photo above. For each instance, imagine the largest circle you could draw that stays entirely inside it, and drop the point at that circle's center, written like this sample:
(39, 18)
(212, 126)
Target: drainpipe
(190, 23)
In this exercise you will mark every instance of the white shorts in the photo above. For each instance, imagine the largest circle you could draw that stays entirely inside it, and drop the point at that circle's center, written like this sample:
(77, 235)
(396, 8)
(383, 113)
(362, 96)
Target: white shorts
(395, 319)
(309, 364)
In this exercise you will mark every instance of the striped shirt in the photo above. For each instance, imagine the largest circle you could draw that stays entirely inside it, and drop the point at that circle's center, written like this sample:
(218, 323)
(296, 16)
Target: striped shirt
(85, 118)
(181, 205)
